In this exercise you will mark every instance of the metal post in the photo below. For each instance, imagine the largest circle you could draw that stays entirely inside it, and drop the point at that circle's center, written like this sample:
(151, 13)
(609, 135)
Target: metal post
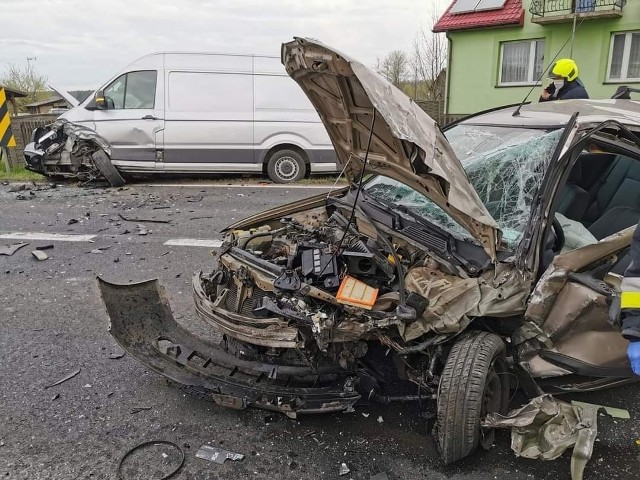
(573, 30)
(4, 157)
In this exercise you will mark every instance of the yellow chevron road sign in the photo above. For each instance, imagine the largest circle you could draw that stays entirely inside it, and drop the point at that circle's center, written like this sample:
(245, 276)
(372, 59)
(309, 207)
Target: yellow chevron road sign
(6, 135)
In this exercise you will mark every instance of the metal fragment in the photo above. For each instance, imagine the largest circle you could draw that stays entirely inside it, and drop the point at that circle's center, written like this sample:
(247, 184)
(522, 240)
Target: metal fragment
(217, 455)
(139, 220)
(11, 249)
(611, 411)
(344, 469)
(64, 379)
(545, 428)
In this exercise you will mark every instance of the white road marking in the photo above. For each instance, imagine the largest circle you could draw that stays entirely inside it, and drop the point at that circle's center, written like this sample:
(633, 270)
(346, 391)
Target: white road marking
(52, 237)
(193, 242)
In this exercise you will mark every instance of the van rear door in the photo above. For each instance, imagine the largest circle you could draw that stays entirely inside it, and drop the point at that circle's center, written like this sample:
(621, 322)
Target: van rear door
(133, 121)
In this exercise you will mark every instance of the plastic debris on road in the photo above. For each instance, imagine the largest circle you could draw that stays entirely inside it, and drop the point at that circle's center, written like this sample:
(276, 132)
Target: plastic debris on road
(217, 455)
(11, 249)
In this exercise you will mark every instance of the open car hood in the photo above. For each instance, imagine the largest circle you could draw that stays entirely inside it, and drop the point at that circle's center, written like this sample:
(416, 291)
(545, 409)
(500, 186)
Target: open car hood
(407, 145)
(73, 101)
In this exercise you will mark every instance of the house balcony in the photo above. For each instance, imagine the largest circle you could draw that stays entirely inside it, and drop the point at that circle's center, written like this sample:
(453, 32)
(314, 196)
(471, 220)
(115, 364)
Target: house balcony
(545, 12)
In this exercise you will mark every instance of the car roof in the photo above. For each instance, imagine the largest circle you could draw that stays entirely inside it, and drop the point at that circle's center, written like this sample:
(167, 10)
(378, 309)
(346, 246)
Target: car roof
(557, 113)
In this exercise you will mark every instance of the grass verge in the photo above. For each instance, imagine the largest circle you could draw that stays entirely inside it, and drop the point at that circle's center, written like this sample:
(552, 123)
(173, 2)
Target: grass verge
(20, 174)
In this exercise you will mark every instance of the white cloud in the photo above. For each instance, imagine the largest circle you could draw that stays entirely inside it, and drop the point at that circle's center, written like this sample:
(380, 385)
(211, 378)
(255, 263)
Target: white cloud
(81, 43)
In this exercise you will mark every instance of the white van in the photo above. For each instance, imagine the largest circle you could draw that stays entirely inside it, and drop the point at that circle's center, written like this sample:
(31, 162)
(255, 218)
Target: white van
(199, 113)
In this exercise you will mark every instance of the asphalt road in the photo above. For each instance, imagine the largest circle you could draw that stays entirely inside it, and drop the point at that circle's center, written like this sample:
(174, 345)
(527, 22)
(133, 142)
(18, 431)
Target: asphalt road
(52, 323)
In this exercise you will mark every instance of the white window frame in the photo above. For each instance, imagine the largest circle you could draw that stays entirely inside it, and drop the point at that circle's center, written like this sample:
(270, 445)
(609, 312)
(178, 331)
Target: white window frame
(626, 54)
(531, 67)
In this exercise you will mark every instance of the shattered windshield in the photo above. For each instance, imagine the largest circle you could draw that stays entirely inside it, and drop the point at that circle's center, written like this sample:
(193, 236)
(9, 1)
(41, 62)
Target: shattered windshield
(505, 165)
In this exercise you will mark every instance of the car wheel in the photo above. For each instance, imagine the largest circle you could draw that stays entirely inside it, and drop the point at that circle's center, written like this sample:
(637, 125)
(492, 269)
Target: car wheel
(286, 166)
(103, 163)
(474, 383)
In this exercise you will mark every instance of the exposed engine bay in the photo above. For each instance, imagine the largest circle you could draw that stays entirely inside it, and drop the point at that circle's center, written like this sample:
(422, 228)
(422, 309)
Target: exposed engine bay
(314, 289)
(68, 150)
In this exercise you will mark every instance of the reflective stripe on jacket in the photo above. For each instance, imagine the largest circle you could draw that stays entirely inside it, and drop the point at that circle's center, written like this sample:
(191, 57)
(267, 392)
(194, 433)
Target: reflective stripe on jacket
(630, 297)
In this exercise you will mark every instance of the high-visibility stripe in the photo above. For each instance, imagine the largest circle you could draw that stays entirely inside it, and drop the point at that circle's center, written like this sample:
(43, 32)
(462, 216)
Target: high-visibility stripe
(630, 300)
(6, 135)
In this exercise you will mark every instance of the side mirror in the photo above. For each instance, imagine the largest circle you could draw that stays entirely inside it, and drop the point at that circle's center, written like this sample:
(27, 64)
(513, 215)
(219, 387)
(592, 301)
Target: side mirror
(99, 100)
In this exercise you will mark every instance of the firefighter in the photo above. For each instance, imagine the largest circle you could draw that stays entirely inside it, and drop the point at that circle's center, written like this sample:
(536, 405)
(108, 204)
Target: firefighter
(565, 82)
(630, 304)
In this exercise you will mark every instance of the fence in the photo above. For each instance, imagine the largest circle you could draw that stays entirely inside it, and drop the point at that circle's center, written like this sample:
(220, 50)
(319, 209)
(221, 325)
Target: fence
(23, 126)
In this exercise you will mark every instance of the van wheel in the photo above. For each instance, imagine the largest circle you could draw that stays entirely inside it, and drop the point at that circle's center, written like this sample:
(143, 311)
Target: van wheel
(103, 163)
(286, 166)
(474, 383)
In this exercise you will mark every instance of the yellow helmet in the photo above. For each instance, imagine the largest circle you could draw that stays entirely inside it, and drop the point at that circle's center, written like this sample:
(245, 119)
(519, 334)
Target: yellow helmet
(565, 68)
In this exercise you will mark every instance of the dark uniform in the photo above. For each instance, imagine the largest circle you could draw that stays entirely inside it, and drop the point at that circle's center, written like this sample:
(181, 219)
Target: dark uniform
(570, 90)
(630, 303)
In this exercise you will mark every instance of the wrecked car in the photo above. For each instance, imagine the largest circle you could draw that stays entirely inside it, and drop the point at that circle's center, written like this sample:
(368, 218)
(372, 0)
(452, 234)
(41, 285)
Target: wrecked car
(70, 150)
(457, 266)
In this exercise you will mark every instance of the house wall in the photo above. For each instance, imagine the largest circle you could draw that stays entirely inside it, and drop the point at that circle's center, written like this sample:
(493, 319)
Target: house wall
(475, 57)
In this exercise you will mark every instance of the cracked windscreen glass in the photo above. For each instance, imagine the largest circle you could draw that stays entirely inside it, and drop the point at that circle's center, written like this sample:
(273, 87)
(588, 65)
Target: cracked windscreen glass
(505, 165)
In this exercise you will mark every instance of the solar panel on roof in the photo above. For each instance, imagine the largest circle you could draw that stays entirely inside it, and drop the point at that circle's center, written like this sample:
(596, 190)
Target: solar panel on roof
(464, 6)
(490, 4)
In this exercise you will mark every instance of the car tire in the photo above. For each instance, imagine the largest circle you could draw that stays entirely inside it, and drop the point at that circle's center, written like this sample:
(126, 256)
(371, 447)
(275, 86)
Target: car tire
(103, 163)
(286, 166)
(474, 383)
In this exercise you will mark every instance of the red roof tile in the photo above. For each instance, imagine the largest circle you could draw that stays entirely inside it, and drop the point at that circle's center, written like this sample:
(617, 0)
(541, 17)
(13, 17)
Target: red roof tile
(511, 13)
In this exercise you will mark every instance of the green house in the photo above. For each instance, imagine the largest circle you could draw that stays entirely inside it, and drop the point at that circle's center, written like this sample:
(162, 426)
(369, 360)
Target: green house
(499, 49)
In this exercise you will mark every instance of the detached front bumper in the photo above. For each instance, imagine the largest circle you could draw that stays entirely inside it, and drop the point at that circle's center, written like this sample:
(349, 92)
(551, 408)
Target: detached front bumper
(143, 324)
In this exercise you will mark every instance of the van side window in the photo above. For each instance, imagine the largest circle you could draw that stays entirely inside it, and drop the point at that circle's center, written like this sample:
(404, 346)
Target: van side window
(132, 90)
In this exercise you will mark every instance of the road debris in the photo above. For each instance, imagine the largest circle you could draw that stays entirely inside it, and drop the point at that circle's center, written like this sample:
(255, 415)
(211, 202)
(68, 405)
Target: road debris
(56, 396)
(143, 220)
(545, 427)
(72, 221)
(116, 356)
(153, 443)
(11, 249)
(45, 247)
(139, 409)
(64, 379)
(41, 256)
(380, 476)
(611, 411)
(142, 230)
(344, 469)
(217, 455)
(380, 419)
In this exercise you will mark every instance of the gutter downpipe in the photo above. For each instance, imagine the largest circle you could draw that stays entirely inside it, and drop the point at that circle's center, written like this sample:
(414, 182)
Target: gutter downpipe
(448, 84)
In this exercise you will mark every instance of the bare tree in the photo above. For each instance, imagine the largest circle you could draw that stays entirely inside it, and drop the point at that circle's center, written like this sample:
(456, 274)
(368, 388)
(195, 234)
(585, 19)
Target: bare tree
(429, 60)
(26, 79)
(394, 67)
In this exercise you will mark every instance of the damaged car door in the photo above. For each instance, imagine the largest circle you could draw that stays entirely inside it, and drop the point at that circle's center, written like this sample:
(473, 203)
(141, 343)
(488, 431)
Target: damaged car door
(130, 114)
(567, 330)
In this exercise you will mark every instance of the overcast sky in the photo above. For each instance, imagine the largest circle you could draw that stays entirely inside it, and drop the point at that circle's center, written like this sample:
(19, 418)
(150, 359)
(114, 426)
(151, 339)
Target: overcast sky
(81, 43)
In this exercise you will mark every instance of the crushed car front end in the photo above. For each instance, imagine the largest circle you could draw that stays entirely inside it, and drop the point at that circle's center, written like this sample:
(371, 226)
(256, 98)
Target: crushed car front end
(65, 149)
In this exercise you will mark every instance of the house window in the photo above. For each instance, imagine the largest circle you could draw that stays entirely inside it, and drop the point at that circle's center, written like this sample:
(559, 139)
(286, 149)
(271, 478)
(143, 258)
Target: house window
(521, 62)
(624, 57)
